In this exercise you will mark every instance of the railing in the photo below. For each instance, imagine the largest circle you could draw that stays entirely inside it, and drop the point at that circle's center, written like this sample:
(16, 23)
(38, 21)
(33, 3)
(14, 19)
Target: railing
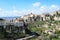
(26, 38)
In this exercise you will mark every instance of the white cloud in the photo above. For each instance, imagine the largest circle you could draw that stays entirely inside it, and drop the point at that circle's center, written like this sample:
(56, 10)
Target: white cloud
(15, 11)
(46, 8)
(42, 8)
(14, 7)
(55, 7)
(0, 9)
(49, 8)
(38, 10)
(36, 4)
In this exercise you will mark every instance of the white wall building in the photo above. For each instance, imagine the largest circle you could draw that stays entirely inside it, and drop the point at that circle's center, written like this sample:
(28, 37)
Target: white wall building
(56, 18)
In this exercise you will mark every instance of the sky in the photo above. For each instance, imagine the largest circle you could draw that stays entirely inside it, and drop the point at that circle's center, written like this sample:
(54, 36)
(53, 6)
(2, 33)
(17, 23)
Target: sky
(11, 8)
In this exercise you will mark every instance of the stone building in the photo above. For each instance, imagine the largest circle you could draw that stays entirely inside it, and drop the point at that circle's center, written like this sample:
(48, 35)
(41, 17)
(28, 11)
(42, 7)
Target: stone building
(14, 26)
(47, 16)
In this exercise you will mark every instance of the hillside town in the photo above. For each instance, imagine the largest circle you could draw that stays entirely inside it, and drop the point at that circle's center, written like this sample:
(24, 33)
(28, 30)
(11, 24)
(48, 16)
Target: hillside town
(42, 17)
(29, 19)
(45, 24)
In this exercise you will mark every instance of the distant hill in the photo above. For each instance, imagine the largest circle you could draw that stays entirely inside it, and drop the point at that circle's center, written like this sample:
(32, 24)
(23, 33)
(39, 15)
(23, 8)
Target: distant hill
(8, 18)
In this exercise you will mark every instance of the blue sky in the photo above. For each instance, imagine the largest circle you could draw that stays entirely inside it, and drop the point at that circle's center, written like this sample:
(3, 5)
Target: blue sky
(22, 7)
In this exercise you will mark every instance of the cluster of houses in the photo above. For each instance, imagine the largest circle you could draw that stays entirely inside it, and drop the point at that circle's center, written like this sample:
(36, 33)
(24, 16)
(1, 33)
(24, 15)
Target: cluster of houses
(19, 22)
(17, 25)
(12, 26)
(43, 17)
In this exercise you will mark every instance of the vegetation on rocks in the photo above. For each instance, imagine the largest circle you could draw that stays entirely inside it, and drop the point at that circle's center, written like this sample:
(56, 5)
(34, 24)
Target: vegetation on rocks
(39, 27)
